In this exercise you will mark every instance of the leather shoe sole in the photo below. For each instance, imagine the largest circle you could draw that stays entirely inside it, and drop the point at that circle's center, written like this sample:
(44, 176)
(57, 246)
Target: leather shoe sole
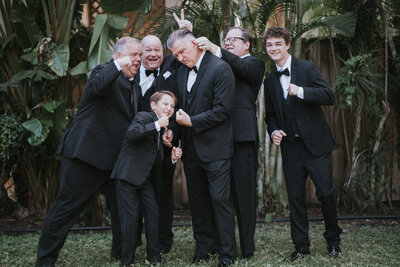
(296, 255)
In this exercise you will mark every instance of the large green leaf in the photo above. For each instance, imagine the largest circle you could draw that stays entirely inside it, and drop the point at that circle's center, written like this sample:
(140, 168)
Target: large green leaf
(38, 131)
(59, 59)
(344, 24)
(27, 31)
(17, 79)
(107, 28)
(120, 6)
(51, 106)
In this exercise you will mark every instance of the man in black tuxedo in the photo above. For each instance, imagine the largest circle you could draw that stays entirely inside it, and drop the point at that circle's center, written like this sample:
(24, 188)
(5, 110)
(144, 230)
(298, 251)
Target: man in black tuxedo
(294, 93)
(138, 164)
(249, 73)
(206, 95)
(91, 144)
(159, 73)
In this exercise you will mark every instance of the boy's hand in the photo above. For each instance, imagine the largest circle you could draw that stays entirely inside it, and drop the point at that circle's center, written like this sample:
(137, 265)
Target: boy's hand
(176, 153)
(163, 121)
(167, 137)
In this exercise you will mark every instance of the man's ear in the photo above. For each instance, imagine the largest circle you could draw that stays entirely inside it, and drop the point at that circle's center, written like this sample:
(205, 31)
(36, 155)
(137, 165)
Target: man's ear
(117, 55)
(288, 46)
(247, 45)
(153, 105)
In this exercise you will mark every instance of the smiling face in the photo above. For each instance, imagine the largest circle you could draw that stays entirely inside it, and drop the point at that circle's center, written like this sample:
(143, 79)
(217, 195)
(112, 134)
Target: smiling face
(186, 51)
(134, 51)
(277, 50)
(235, 44)
(164, 106)
(152, 56)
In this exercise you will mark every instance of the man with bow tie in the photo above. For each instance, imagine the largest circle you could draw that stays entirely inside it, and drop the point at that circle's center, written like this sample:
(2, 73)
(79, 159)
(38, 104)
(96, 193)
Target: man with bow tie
(294, 93)
(206, 93)
(155, 74)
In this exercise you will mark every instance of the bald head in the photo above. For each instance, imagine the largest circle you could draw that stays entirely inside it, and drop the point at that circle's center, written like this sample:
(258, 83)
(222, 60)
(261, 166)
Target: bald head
(152, 56)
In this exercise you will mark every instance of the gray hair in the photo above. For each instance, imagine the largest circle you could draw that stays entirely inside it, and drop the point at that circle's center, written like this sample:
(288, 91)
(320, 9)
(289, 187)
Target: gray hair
(119, 46)
(179, 34)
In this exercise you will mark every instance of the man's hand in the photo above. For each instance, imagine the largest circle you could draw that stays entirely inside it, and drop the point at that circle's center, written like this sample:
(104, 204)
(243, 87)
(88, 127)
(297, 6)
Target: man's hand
(124, 61)
(277, 137)
(182, 22)
(163, 121)
(167, 137)
(176, 153)
(183, 118)
(204, 43)
(293, 89)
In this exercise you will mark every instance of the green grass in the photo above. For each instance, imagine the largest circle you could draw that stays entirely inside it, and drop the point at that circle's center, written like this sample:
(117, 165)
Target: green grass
(361, 245)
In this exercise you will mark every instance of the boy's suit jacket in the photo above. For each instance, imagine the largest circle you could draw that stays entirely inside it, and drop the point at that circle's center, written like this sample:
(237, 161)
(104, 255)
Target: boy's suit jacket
(141, 147)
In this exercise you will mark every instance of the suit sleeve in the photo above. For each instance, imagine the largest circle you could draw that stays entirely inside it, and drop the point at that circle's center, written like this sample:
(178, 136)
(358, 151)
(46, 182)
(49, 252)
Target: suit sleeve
(224, 94)
(139, 128)
(250, 69)
(98, 84)
(270, 115)
(317, 91)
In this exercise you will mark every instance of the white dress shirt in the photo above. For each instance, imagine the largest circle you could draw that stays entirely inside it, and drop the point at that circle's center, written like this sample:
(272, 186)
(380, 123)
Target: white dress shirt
(192, 74)
(285, 80)
(146, 81)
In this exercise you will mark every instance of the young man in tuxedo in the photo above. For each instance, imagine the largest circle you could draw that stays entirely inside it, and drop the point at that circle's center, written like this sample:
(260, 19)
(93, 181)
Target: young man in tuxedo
(137, 167)
(91, 144)
(294, 93)
(249, 74)
(159, 73)
(206, 91)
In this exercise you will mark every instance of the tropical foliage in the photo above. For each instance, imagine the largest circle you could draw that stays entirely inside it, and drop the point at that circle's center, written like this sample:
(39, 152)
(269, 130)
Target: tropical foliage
(46, 55)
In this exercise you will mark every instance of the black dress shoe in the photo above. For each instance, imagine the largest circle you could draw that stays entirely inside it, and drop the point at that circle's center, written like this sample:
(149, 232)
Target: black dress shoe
(164, 250)
(116, 256)
(213, 252)
(296, 255)
(248, 256)
(197, 259)
(334, 251)
(226, 263)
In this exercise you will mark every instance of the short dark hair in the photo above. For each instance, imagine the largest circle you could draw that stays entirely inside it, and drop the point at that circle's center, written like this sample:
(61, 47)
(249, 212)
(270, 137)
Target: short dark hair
(179, 34)
(277, 32)
(159, 94)
(245, 35)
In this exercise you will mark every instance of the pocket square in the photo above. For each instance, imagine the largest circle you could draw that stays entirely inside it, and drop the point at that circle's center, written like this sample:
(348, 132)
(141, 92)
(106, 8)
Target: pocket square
(166, 75)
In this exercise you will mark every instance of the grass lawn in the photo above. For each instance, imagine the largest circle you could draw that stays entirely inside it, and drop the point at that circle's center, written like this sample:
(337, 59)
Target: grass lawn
(362, 245)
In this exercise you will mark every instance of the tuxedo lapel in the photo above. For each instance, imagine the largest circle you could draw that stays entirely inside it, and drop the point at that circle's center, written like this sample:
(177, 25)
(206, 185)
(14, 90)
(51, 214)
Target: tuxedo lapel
(183, 80)
(294, 70)
(278, 92)
(200, 73)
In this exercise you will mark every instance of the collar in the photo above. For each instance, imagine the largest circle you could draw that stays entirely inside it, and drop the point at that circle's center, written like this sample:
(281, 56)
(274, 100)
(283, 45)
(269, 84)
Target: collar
(287, 65)
(247, 55)
(199, 61)
(143, 71)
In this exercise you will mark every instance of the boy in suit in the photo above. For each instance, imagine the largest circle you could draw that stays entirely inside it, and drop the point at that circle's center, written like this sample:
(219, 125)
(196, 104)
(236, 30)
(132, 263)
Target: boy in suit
(138, 164)
(294, 93)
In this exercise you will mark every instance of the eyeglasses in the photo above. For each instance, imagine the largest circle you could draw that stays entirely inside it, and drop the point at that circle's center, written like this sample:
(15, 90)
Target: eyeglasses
(232, 39)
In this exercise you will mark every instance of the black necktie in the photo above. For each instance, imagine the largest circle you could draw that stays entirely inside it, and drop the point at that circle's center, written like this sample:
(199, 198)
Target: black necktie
(283, 72)
(194, 68)
(148, 72)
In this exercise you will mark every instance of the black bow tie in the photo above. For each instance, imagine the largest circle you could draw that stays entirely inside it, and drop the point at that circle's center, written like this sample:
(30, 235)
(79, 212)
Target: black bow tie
(194, 68)
(148, 72)
(283, 72)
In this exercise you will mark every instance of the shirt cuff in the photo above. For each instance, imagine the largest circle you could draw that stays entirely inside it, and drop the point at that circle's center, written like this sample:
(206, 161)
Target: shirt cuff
(218, 53)
(300, 93)
(173, 161)
(157, 126)
(117, 65)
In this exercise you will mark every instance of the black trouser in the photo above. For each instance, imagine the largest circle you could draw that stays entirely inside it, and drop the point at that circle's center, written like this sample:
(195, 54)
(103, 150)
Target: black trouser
(78, 182)
(128, 197)
(212, 212)
(166, 203)
(244, 175)
(298, 163)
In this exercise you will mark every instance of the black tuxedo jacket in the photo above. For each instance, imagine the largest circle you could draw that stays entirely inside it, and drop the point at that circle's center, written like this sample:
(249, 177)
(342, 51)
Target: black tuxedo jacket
(310, 120)
(249, 74)
(104, 113)
(139, 151)
(166, 80)
(209, 106)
